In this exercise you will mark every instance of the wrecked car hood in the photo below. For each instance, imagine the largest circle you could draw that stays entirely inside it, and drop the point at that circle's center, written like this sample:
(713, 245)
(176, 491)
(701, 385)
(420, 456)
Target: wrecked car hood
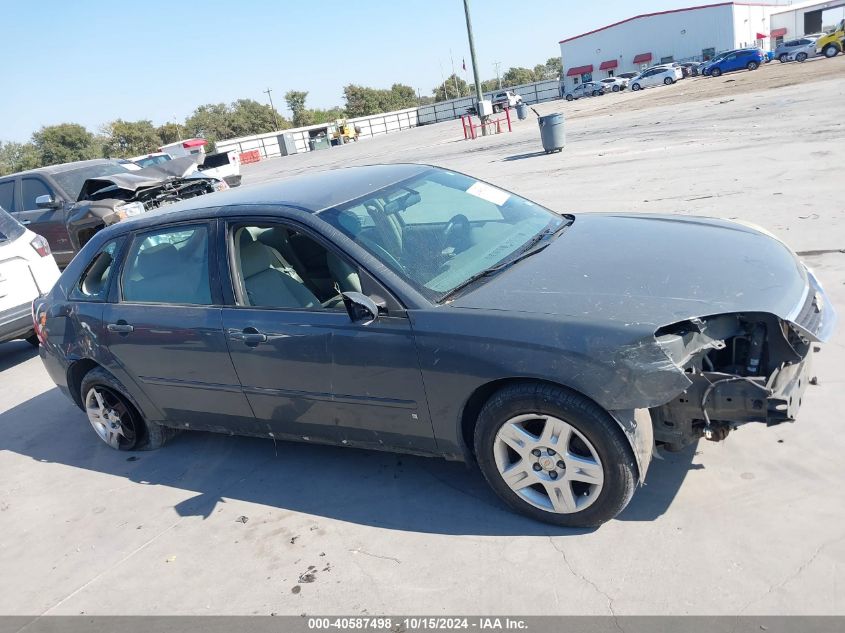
(133, 181)
(646, 271)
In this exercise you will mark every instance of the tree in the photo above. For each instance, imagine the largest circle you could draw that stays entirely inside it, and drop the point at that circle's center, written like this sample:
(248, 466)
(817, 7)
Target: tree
(489, 85)
(64, 143)
(401, 96)
(130, 138)
(296, 104)
(517, 76)
(15, 157)
(361, 100)
(210, 121)
(248, 117)
(554, 68)
(169, 133)
(452, 88)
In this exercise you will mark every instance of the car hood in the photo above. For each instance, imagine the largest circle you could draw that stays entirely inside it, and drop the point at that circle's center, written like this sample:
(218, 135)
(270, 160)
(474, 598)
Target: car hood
(133, 181)
(649, 271)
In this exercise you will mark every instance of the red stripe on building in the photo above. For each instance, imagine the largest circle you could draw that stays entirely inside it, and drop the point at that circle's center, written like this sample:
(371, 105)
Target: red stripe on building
(579, 70)
(642, 58)
(610, 63)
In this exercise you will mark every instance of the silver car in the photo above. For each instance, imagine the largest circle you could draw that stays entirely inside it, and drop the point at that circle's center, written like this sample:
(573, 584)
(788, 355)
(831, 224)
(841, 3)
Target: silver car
(586, 89)
(796, 50)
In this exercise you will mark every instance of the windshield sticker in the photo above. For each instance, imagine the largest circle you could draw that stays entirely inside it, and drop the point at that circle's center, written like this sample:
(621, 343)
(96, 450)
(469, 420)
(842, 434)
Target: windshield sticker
(489, 193)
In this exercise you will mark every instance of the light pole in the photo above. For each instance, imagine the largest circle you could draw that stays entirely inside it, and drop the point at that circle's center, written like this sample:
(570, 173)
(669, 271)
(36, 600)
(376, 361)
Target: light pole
(498, 77)
(275, 118)
(478, 94)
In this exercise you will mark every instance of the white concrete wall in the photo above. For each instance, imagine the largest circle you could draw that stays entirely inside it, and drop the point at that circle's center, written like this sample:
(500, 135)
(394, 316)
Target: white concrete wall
(793, 19)
(749, 20)
(681, 34)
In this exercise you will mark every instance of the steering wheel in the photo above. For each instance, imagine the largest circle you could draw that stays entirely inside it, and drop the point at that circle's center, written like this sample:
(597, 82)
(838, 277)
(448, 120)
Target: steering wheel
(457, 233)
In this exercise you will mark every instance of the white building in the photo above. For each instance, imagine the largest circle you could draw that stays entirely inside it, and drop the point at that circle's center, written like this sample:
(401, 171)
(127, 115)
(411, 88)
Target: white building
(693, 33)
(803, 18)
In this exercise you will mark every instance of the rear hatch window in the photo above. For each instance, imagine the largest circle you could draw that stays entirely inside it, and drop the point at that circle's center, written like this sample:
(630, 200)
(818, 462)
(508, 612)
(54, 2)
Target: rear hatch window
(10, 228)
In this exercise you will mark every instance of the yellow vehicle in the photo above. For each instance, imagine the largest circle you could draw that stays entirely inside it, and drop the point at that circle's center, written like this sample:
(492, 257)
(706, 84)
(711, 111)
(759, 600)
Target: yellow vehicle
(832, 44)
(344, 132)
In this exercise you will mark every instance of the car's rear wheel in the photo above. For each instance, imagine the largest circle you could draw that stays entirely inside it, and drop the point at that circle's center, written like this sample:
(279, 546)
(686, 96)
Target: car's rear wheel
(801, 57)
(114, 418)
(752, 65)
(668, 81)
(830, 51)
(554, 455)
(615, 88)
(569, 97)
(635, 87)
(783, 58)
(716, 72)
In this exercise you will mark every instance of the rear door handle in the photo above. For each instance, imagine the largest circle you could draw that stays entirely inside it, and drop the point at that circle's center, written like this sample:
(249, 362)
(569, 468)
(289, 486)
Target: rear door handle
(122, 328)
(248, 336)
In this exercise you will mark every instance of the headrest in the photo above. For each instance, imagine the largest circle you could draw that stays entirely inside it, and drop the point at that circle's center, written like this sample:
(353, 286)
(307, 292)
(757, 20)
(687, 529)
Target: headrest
(255, 258)
(350, 223)
(161, 259)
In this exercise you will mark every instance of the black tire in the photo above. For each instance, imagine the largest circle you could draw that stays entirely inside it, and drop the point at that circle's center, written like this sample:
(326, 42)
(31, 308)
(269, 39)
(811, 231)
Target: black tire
(716, 72)
(147, 435)
(830, 51)
(636, 87)
(613, 449)
(570, 98)
(801, 57)
(783, 58)
(752, 65)
(615, 88)
(668, 81)
(33, 340)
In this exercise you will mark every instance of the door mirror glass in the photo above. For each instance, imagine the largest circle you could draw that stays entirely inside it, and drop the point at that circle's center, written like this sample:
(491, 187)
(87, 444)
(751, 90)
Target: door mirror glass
(46, 201)
(360, 307)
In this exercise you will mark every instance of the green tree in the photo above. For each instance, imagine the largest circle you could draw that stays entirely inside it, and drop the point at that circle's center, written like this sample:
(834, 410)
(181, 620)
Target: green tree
(210, 121)
(401, 96)
(489, 85)
(248, 117)
(15, 157)
(64, 143)
(130, 138)
(554, 68)
(452, 88)
(296, 104)
(517, 76)
(361, 100)
(169, 133)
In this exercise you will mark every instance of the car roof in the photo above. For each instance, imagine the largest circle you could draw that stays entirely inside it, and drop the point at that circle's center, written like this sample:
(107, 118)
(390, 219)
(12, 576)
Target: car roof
(57, 169)
(312, 192)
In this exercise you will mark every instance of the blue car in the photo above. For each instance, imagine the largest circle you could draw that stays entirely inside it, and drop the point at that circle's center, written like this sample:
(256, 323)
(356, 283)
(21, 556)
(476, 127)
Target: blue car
(749, 58)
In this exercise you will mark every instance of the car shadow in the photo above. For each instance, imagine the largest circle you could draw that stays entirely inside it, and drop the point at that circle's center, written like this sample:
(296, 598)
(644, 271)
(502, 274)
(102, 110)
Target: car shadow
(15, 352)
(385, 490)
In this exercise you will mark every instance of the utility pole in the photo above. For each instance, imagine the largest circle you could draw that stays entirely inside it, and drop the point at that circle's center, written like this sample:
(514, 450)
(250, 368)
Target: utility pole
(498, 78)
(478, 94)
(275, 118)
(454, 74)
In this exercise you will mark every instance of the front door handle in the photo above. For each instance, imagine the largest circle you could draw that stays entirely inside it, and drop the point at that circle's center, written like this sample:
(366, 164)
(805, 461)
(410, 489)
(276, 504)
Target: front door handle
(121, 327)
(248, 336)
(25, 222)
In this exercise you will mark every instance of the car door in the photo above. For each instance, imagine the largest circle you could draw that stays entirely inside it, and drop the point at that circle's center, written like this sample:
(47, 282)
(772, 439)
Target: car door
(165, 329)
(308, 370)
(47, 221)
(731, 62)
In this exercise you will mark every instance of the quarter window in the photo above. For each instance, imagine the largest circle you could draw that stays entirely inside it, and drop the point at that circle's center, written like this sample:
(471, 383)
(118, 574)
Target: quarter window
(93, 285)
(169, 266)
(31, 188)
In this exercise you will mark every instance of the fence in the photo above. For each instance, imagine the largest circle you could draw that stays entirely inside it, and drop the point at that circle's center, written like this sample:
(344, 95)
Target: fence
(270, 144)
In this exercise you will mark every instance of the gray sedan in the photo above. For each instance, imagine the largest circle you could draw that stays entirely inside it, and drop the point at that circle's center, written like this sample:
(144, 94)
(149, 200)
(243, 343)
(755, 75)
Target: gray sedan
(419, 310)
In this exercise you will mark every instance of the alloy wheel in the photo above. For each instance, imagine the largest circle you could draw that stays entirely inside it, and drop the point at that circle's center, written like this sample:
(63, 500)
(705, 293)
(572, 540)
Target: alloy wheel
(548, 463)
(110, 418)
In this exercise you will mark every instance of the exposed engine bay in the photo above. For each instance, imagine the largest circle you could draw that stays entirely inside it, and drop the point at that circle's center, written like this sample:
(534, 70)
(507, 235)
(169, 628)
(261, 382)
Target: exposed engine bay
(106, 200)
(750, 367)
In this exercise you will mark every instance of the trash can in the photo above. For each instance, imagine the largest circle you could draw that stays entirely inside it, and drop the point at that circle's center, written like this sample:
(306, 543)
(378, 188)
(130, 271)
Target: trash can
(522, 110)
(552, 132)
(312, 144)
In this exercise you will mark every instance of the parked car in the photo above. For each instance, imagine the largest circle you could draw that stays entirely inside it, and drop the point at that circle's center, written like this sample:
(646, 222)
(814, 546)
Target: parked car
(749, 59)
(796, 50)
(692, 68)
(70, 202)
(657, 76)
(586, 89)
(415, 309)
(27, 271)
(149, 160)
(627, 76)
(505, 99)
(224, 166)
(614, 83)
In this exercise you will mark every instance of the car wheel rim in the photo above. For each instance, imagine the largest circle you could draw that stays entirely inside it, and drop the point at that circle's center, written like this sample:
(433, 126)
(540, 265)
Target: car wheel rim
(110, 418)
(548, 463)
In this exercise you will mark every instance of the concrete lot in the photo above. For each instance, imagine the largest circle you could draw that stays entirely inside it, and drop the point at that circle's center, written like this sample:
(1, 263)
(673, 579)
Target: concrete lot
(212, 524)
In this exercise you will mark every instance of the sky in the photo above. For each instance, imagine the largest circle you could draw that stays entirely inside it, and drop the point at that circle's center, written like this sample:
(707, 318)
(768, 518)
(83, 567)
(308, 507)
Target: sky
(92, 61)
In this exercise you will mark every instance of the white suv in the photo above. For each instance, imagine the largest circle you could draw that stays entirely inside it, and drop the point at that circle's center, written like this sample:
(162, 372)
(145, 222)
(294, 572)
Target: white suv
(656, 76)
(505, 99)
(27, 270)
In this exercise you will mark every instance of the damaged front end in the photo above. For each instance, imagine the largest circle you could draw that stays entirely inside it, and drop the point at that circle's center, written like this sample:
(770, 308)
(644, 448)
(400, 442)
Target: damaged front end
(743, 367)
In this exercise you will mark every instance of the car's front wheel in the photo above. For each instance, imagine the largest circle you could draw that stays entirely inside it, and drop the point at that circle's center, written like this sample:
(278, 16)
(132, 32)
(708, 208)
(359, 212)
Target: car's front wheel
(114, 418)
(801, 57)
(752, 66)
(783, 58)
(569, 97)
(716, 72)
(615, 88)
(554, 455)
(668, 81)
(635, 87)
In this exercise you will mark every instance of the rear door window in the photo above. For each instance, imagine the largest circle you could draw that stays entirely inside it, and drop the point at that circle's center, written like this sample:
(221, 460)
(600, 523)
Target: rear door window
(169, 266)
(7, 195)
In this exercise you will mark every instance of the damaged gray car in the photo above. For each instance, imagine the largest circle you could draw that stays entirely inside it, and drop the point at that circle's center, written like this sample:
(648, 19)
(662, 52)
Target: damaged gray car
(415, 309)
(68, 203)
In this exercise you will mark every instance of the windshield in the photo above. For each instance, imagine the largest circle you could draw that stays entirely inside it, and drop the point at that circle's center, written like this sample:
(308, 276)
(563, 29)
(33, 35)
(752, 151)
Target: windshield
(10, 228)
(71, 181)
(150, 161)
(442, 229)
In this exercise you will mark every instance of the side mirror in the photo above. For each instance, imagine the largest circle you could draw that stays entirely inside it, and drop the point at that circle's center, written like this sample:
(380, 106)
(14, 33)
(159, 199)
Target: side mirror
(360, 307)
(47, 201)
